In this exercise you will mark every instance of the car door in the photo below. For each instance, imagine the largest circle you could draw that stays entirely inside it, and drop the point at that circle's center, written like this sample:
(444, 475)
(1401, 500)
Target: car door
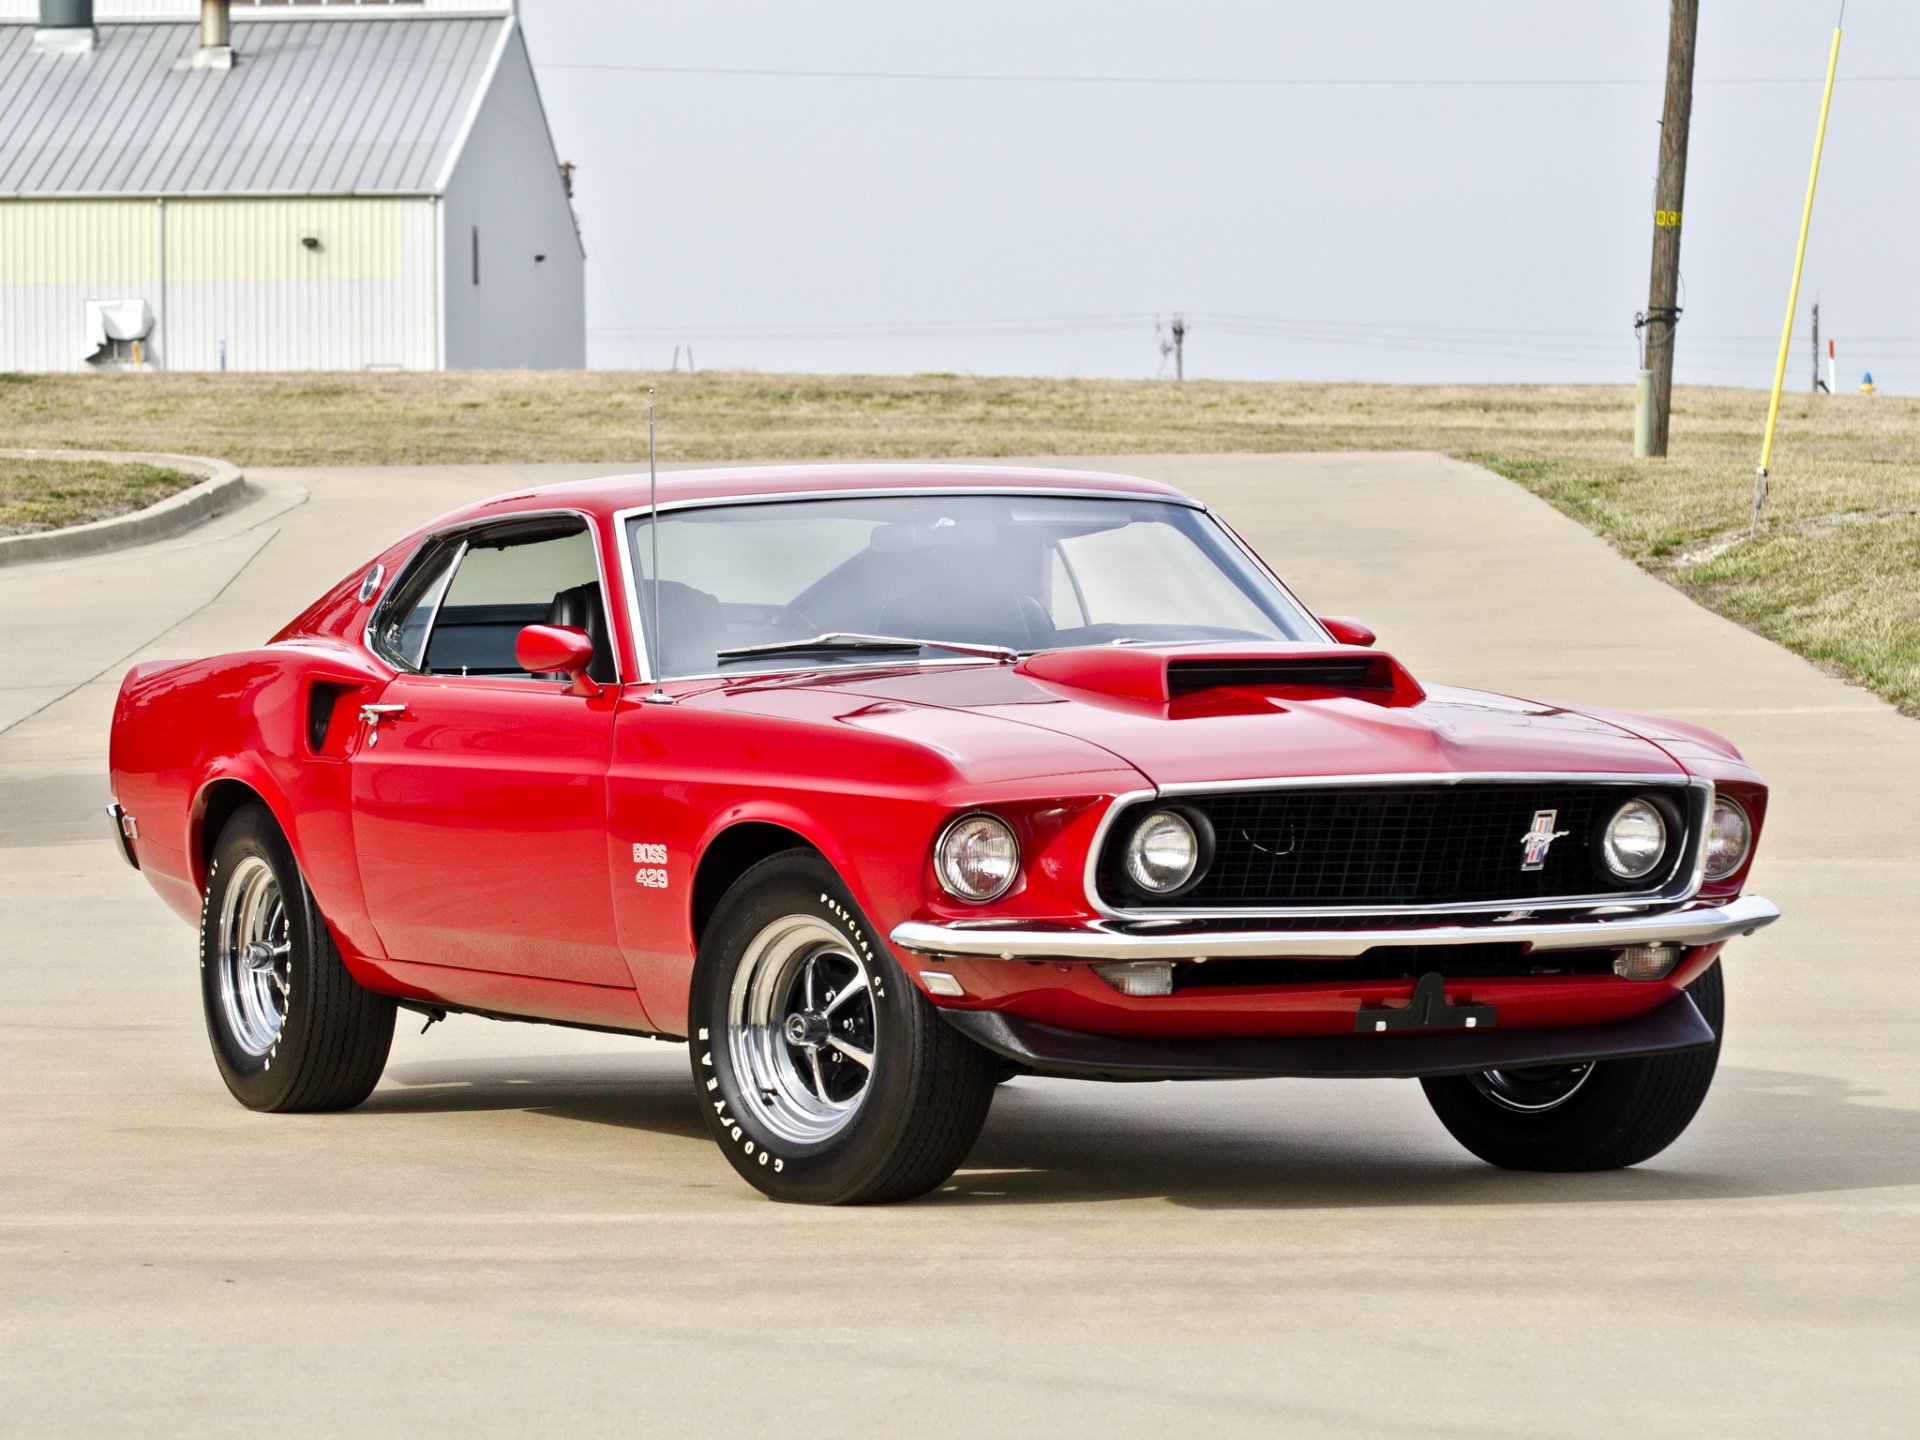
(480, 791)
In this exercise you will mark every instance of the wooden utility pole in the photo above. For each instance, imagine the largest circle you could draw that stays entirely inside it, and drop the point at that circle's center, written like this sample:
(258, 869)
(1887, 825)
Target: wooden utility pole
(1669, 198)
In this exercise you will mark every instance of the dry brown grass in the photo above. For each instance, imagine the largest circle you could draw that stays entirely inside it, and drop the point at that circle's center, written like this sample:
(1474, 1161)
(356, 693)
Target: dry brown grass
(1835, 574)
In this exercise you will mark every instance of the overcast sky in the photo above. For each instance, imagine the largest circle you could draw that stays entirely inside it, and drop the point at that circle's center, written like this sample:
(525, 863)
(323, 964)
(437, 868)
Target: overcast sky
(1415, 216)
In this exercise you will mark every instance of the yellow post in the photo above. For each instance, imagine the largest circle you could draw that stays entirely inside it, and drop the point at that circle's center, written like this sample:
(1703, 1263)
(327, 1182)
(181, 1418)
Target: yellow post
(1793, 292)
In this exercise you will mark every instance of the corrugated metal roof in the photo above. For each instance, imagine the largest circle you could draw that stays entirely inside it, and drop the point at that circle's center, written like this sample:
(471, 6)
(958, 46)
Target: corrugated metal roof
(312, 107)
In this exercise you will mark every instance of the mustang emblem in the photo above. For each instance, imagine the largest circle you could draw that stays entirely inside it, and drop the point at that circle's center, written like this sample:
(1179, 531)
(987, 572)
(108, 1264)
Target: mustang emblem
(1539, 839)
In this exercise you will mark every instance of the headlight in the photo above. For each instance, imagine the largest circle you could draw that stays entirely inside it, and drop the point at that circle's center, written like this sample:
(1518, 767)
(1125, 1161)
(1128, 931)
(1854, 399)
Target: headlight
(1635, 841)
(977, 857)
(1166, 852)
(1729, 838)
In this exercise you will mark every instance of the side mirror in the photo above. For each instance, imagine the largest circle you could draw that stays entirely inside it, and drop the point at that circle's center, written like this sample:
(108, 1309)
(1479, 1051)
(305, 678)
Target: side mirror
(1347, 630)
(557, 650)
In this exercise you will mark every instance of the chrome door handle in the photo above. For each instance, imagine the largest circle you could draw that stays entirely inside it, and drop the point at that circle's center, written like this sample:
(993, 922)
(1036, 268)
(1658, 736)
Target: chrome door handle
(372, 715)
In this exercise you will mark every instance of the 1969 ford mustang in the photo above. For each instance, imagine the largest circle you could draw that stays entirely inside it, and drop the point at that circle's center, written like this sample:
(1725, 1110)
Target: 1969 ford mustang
(881, 786)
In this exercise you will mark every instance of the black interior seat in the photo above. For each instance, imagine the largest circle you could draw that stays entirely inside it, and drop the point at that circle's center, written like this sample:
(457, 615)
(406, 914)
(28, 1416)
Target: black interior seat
(581, 608)
(692, 627)
(478, 639)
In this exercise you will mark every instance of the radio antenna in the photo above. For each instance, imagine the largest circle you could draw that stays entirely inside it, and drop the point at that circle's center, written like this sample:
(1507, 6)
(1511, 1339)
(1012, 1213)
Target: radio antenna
(659, 695)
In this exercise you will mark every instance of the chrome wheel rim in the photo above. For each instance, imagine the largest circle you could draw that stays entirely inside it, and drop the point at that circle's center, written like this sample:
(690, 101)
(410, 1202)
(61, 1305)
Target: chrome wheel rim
(253, 959)
(801, 1027)
(1533, 1088)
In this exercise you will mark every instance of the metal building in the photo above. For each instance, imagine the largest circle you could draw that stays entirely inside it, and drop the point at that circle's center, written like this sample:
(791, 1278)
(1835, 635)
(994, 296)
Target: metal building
(263, 185)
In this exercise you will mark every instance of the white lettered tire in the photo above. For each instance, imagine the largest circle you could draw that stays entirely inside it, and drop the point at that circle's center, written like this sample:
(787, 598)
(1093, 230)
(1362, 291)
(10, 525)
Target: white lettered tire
(290, 1028)
(824, 1075)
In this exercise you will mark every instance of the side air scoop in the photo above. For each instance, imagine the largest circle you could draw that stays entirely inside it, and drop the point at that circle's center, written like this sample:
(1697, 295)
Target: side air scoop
(1161, 674)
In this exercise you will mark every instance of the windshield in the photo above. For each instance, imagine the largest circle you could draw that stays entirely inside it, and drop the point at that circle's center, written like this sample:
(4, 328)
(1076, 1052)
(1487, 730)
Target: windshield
(1021, 572)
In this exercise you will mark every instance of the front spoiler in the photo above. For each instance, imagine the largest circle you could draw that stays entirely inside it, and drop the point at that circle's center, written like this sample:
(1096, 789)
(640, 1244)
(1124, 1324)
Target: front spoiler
(1689, 925)
(1677, 1025)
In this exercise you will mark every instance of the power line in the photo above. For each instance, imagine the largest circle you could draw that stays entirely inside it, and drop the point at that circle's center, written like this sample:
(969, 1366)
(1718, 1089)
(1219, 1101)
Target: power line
(1395, 326)
(1432, 345)
(1037, 325)
(1302, 82)
(1388, 334)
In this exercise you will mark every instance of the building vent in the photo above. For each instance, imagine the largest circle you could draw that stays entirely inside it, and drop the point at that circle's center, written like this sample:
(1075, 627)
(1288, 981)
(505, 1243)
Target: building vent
(216, 37)
(66, 28)
(118, 331)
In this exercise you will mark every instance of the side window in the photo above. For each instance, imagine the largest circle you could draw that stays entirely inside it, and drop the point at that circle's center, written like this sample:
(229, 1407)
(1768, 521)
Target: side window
(461, 605)
(405, 619)
(506, 580)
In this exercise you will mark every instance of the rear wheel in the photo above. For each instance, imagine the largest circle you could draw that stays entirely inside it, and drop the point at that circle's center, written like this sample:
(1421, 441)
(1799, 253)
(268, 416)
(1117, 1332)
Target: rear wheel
(1599, 1116)
(290, 1028)
(825, 1076)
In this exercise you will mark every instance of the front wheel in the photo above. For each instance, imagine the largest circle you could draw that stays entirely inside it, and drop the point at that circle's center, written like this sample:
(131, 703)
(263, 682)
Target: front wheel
(825, 1076)
(1599, 1116)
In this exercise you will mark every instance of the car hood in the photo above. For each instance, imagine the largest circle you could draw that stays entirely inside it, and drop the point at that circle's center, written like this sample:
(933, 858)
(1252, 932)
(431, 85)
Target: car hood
(1238, 734)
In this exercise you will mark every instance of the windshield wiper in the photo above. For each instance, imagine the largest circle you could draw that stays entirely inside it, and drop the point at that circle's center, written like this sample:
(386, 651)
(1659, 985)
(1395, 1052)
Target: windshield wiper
(843, 640)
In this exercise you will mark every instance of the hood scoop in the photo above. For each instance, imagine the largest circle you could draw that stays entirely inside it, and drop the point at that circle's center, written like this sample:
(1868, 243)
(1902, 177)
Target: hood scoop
(1184, 677)
(1160, 675)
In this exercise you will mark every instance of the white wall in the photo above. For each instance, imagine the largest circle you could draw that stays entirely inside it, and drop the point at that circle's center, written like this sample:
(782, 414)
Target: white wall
(57, 255)
(523, 313)
(235, 270)
(238, 271)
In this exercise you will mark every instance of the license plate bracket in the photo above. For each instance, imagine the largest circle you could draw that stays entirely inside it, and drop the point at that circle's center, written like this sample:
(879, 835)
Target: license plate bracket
(1427, 1010)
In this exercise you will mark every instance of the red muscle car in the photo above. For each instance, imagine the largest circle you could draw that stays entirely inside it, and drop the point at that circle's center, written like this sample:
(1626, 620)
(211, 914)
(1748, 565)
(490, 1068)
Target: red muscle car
(882, 785)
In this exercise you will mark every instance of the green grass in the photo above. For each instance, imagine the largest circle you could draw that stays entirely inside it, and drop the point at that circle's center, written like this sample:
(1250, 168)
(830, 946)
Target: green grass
(52, 494)
(1834, 575)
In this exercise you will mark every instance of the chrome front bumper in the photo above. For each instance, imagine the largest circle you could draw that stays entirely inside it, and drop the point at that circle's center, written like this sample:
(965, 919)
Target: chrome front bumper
(1690, 925)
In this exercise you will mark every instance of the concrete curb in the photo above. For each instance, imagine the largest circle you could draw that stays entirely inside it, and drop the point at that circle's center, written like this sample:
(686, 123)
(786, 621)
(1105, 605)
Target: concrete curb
(223, 489)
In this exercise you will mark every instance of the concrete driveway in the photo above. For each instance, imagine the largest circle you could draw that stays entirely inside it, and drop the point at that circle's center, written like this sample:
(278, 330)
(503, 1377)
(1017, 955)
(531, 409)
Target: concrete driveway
(525, 1230)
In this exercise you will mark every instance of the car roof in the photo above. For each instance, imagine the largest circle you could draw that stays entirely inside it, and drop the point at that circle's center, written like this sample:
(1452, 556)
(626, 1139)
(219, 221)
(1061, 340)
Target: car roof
(604, 495)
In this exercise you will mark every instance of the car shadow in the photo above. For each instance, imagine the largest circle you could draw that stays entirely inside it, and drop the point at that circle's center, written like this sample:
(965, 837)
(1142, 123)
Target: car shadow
(635, 1091)
(1763, 1133)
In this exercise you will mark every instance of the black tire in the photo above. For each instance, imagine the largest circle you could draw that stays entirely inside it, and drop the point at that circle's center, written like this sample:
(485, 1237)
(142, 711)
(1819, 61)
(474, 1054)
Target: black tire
(333, 1038)
(924, 1094)
(1621, 1113)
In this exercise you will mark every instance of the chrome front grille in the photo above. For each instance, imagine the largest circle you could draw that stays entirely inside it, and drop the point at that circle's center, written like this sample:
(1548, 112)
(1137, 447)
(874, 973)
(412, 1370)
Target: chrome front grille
(1362, 847)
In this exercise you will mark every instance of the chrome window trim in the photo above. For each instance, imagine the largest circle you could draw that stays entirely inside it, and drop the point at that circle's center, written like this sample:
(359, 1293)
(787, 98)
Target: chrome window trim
(1259, 562)
(385, 593)
(621, 519)
(440, 601)
(1683, 881)
(464, 529)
